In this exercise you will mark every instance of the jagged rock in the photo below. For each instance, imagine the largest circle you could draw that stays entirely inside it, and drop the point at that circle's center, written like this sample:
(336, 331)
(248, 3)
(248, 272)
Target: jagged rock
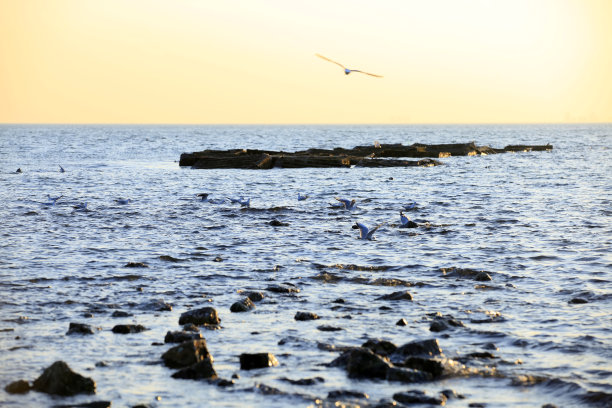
(79, 328)
(200, 370)
(418, 397)
(277, 223)
(466, 273)
(136, 265)
(128, 328)
(169, 258)
(199, 317)
(401, 322)
(400, 295)
(255, 296)
(304, 381)
(120, 313)
(577, 301)
(243, 305)
(420, 348)
(306, 316)
(250, 361)
(407, 375)
(158, 306)
(361, 362)
(186, 354)
(340, 394)
(181, 336)
(444, 322)
(285, 288)
(18, 387)
(380, 347)
(327, 328)
(59, 379)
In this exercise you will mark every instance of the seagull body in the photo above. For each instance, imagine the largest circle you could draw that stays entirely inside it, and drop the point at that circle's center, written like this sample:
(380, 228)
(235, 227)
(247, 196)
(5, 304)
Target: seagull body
(61, 170)
(347, 70)
(52, 200)
(302, 197)
(365, 232)
(123, 201)
(348, 205)
(80, 207)
(406, 222)
(410, 206)
(242, 201)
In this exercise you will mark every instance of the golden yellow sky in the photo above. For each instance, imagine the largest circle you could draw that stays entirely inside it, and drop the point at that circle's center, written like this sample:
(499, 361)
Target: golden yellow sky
(250, 61)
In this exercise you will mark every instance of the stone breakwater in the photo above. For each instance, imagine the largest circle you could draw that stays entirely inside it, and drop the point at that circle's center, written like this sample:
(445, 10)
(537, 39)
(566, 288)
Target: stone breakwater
(379, 155)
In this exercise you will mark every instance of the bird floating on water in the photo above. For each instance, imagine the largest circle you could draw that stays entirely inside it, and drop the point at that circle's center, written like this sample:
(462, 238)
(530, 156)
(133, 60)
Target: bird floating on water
(204, 196)
(302, 197)
(242, 201)
(347, 70)
(410, 206)
(348, 205)
(123, 201)
(365, 232)
(52, 200)
(406, 222)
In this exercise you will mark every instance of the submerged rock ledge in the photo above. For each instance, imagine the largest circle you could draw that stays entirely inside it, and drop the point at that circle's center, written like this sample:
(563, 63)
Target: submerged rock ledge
(384, 155)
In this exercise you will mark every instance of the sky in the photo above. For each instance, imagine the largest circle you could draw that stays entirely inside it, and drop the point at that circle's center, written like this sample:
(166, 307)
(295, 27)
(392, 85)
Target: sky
(253, 61)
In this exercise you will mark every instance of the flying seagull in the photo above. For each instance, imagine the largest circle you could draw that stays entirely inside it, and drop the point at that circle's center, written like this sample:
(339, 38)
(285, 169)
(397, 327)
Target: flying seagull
(365, 232)
(348, 204)
(347, 70)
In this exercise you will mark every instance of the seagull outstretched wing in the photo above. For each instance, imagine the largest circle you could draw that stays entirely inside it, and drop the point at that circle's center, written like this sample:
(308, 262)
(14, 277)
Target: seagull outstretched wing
(367, 73)
(327, 59)
(347, 70)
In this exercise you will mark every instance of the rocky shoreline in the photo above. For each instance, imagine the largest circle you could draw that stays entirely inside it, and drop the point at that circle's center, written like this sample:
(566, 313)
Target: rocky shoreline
(377, 155)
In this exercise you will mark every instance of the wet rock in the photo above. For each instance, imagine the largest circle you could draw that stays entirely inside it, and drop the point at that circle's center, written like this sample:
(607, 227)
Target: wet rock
(285, 288)
(120, 313)
(549, 406)
(59, 379)
(79, 328)
(255, 296)
(93, 404)
(362, 363)
(136, 265)
(401, 322)
(303, 316)
(221, 382)
(169, 258)
(452, 394)
(423, 348)
(181, 336)
(243, 305)
(466, 273)
(158, 306)
(444, 322)
(18, 387)
(600, 398)
(339, 300)
(186, 354)
(128, 328)
(250, 361)
(488, 317)
(190, 327)
(380, 347)
(390, 282)
(418, 397)
(401, 295)
(577, 301)
(218, 259)
(200, 317)
(407, 375)
(341, 394)
(201, 370)
(304, 381)
(329, 328)
(277, 223)
(267, 390)
(435, 367)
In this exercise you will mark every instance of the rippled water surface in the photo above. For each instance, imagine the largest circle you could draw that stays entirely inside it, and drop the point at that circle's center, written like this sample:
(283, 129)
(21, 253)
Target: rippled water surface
(539, 223)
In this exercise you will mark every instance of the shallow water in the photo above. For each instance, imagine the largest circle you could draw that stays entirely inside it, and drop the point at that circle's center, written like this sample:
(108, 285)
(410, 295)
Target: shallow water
(539, 223)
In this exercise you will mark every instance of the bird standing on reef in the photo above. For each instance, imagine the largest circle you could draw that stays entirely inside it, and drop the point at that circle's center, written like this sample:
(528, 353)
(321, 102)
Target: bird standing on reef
(406, 222)
(347, 70)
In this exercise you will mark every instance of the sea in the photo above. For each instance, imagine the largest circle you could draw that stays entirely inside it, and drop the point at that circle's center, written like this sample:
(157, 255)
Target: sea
(539, 224)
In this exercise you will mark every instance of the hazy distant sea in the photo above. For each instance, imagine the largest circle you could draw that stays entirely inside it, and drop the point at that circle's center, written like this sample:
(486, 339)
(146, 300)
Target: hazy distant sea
(539, 223)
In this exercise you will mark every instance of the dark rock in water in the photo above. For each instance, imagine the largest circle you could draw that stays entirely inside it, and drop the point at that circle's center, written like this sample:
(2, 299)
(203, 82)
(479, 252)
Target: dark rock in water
(128, 328)
(257, 360)
(285, 288)
(136, 265)
(601, 398)
(199, 317)
(79, 328)
(407, 375)
(329, 328)
(59, 379)
(528, 148)
(466, 273)
(429, 347)
(158, 306)
(181, 336)
(401, 322)
(340, 394)
(190, 327)
(444, 322)
(380, 347)
(433, 366)
(362, 363)
(549, 406)
(186, 354)
(200, 370)
(169, 258)
(401, 295)
(120, 313)
(243, 305)
(305, 316)
(221, 382)
(577, 301)
(452, 394)
(18, 387)
(267, 390)
(418, 397)
(93, 404)
(339, 300)
(218, 259)
(304, 381)
(277, 223)
(255, 296)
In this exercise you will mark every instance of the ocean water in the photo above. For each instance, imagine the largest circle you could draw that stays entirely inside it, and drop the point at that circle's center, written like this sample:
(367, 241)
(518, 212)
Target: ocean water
(539, 223)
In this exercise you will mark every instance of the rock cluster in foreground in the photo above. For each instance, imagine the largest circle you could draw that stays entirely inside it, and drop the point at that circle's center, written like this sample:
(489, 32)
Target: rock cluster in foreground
(384, 155)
